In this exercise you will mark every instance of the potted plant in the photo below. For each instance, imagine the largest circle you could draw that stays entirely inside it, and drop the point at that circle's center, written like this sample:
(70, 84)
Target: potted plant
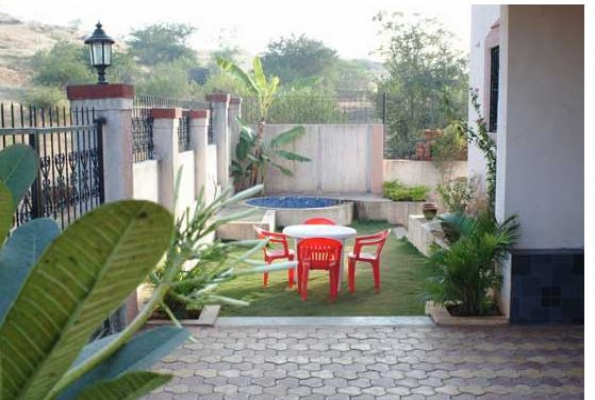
(430, 210)
(466, 274)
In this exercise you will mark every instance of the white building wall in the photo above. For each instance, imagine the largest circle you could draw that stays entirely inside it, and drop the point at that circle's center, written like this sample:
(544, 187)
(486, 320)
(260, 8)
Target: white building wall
(483, 18)
(541, 124)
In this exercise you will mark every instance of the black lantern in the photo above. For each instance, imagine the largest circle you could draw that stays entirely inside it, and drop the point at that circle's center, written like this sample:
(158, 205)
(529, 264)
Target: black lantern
(100, 52)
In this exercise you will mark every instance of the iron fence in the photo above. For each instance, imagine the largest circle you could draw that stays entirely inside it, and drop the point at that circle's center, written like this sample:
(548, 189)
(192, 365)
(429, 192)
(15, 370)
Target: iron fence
(69, 145)
(142, 131)
(183, 135)
(142, 123)
(361, 107)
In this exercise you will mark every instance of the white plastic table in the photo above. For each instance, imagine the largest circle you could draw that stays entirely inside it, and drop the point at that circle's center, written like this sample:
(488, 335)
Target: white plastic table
(337, 232)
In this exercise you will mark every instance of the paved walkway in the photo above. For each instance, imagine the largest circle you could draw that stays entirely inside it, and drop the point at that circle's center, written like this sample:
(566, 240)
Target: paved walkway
(377, 363)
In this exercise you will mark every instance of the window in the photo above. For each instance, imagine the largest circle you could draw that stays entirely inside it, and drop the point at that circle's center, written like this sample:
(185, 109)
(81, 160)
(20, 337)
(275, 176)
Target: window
(493, 88)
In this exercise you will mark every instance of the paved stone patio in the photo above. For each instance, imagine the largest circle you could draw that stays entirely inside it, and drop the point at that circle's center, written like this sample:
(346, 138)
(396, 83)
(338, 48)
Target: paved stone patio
(344, 363)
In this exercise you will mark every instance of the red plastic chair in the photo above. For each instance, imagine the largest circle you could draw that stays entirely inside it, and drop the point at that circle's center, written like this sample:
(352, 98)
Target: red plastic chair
(319, 221)
(271, 255)
(319, 254)
(376, 240)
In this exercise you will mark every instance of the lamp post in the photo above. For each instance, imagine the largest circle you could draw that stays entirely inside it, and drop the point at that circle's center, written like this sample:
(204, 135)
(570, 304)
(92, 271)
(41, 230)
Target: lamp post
(100, 52)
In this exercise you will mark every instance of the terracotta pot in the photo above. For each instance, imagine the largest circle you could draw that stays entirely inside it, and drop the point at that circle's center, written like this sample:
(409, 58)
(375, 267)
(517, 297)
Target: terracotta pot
(430, 210)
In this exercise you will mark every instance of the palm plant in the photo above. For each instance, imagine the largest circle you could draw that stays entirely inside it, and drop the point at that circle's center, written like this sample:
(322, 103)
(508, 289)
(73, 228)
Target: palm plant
(253, 156)
(466, 272)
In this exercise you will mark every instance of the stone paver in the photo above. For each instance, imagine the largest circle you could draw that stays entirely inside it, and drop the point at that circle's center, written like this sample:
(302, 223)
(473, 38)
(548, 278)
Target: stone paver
(377, 363)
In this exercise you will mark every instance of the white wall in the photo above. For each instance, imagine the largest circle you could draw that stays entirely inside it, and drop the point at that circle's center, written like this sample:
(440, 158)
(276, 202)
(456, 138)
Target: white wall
(186, 192)
(482, 19)
(541, 124)
(212, 187)
(146, 180)
(412, 172)
(344, 158)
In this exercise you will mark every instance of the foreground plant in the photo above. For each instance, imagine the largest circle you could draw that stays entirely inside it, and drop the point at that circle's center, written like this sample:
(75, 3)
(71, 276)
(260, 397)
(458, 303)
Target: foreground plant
(466, 274)
(194, 267)
(252, 155)
(56, 289)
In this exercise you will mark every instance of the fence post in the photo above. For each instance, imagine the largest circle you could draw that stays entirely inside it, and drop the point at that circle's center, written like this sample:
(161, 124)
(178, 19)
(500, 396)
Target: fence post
(113, 103)
(198, 129)
(165, 146)
(235, 111)
(220, 109)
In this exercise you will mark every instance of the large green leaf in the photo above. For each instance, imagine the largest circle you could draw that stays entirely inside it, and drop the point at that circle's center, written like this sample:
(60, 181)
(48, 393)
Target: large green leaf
(6, 211)
(18, 169)
(126, 387)
(288, 155)
(259, 76)
(140, 353)
(285, 171)
(288, 136)
(19, 254)
(84, 275)
(240, 75)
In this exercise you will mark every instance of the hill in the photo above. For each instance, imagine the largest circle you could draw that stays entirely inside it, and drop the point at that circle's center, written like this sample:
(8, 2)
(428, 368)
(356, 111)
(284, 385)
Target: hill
(19, 41)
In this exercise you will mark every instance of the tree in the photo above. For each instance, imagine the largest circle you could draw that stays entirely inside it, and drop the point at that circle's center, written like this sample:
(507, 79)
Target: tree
(162, 43)
(253, 156)
(44, 97)
(426, 82)
(66, 63)
(167, 80)
(299, 58)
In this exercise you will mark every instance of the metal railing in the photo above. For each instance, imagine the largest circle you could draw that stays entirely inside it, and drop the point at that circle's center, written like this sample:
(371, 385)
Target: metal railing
(69, 145)
(364, 107)
(183, 134)
(142, 123)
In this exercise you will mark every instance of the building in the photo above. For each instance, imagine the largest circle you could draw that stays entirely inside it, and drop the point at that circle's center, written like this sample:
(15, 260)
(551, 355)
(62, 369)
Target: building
(528, 63)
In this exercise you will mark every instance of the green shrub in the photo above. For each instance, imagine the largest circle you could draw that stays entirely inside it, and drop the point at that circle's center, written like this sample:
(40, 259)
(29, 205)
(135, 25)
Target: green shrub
(457, 194)
(45, 97)
(397, 191)
(466, 272)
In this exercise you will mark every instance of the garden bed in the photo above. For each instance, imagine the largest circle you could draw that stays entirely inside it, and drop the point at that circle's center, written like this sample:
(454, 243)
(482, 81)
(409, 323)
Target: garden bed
(442, 317)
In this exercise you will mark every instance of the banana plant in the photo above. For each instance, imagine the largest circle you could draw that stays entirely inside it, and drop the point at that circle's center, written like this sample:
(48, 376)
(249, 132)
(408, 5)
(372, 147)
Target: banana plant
(57, 288)
(247, 159)
(252, 154)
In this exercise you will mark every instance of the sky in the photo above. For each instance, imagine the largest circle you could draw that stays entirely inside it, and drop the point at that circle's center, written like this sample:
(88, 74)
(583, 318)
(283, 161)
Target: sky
(346, 25)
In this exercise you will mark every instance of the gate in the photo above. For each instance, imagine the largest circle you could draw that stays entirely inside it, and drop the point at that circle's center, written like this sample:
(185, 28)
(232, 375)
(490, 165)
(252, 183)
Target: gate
(69, 181)
(69, 145)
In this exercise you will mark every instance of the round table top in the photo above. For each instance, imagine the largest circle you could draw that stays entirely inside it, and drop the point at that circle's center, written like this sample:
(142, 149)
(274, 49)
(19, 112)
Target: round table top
(316, 231)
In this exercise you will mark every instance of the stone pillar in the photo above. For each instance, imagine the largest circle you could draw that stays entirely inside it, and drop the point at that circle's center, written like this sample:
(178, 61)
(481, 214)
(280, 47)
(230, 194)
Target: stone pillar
(165, 142)
(113, 103)
(220, 109)
(198, 130)
(235, 111)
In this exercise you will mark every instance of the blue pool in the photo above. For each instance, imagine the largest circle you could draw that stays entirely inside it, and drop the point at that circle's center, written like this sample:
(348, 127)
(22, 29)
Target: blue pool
(295, 202)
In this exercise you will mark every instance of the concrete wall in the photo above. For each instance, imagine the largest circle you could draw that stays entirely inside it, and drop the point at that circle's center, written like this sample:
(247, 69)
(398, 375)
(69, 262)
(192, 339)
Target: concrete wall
(412, 172)
(146, 180)
(212, 187)
(186, 194)
(483, 18)
(541, 124)
(345, 158)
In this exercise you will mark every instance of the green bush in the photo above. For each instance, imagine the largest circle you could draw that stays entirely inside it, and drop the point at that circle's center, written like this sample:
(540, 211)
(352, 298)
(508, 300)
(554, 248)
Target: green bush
(457, 194)
(397, 191)
(448, 147)
(45, 97)
(466, 273)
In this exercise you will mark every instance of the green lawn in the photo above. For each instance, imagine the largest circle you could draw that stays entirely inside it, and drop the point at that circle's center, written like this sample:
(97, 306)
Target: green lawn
(403, 271)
